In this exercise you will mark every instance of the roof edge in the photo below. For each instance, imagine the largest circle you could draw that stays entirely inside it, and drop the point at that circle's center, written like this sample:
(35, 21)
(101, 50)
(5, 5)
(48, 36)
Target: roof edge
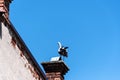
(28, 51)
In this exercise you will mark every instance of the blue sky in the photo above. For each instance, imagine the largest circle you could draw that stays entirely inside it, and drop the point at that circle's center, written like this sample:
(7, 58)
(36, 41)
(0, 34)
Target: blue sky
(90, 28)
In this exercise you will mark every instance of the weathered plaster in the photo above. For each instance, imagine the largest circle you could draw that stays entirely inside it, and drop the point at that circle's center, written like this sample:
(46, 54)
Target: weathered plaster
(14, 62)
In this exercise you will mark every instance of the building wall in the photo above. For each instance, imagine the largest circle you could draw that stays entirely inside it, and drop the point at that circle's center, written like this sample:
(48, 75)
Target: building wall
(15, 64)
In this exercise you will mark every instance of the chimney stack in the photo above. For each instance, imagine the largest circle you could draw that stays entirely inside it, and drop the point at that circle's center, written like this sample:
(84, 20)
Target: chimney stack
(4, 8)
(55, 69)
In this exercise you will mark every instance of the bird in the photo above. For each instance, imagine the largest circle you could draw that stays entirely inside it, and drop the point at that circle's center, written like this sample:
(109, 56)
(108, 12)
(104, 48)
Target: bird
(62, 50)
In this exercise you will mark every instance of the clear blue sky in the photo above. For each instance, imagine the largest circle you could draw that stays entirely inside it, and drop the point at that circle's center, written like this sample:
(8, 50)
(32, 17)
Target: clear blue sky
(91, 29)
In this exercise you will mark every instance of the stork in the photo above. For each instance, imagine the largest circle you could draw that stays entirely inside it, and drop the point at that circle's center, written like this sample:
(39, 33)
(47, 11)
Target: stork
(62, 50)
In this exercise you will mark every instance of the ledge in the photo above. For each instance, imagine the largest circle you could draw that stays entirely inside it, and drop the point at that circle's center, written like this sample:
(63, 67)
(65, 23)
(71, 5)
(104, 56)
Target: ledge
(55, 66)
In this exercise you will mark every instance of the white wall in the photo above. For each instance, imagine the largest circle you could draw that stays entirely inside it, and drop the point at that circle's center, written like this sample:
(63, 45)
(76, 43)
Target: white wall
(12, 65)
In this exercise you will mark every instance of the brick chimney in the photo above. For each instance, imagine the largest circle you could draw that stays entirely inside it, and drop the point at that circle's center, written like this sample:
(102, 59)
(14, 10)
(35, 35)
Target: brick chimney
(4, 8)
(55, 69)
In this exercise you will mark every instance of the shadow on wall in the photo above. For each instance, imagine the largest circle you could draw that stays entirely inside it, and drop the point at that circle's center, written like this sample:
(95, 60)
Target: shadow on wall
(0, 30)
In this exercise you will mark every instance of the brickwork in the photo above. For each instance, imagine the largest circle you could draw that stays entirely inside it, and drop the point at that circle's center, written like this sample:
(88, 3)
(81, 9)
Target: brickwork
(4, 8)
(54, 76)
(55, 70)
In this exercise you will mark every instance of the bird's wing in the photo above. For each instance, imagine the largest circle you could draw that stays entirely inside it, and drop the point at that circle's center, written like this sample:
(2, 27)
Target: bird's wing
(65, 47)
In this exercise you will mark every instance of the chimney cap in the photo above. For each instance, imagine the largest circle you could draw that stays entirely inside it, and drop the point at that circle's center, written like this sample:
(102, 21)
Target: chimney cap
(55, 66)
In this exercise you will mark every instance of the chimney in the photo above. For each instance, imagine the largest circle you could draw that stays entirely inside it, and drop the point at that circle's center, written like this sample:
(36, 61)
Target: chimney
(55, 69)
(4, 8)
